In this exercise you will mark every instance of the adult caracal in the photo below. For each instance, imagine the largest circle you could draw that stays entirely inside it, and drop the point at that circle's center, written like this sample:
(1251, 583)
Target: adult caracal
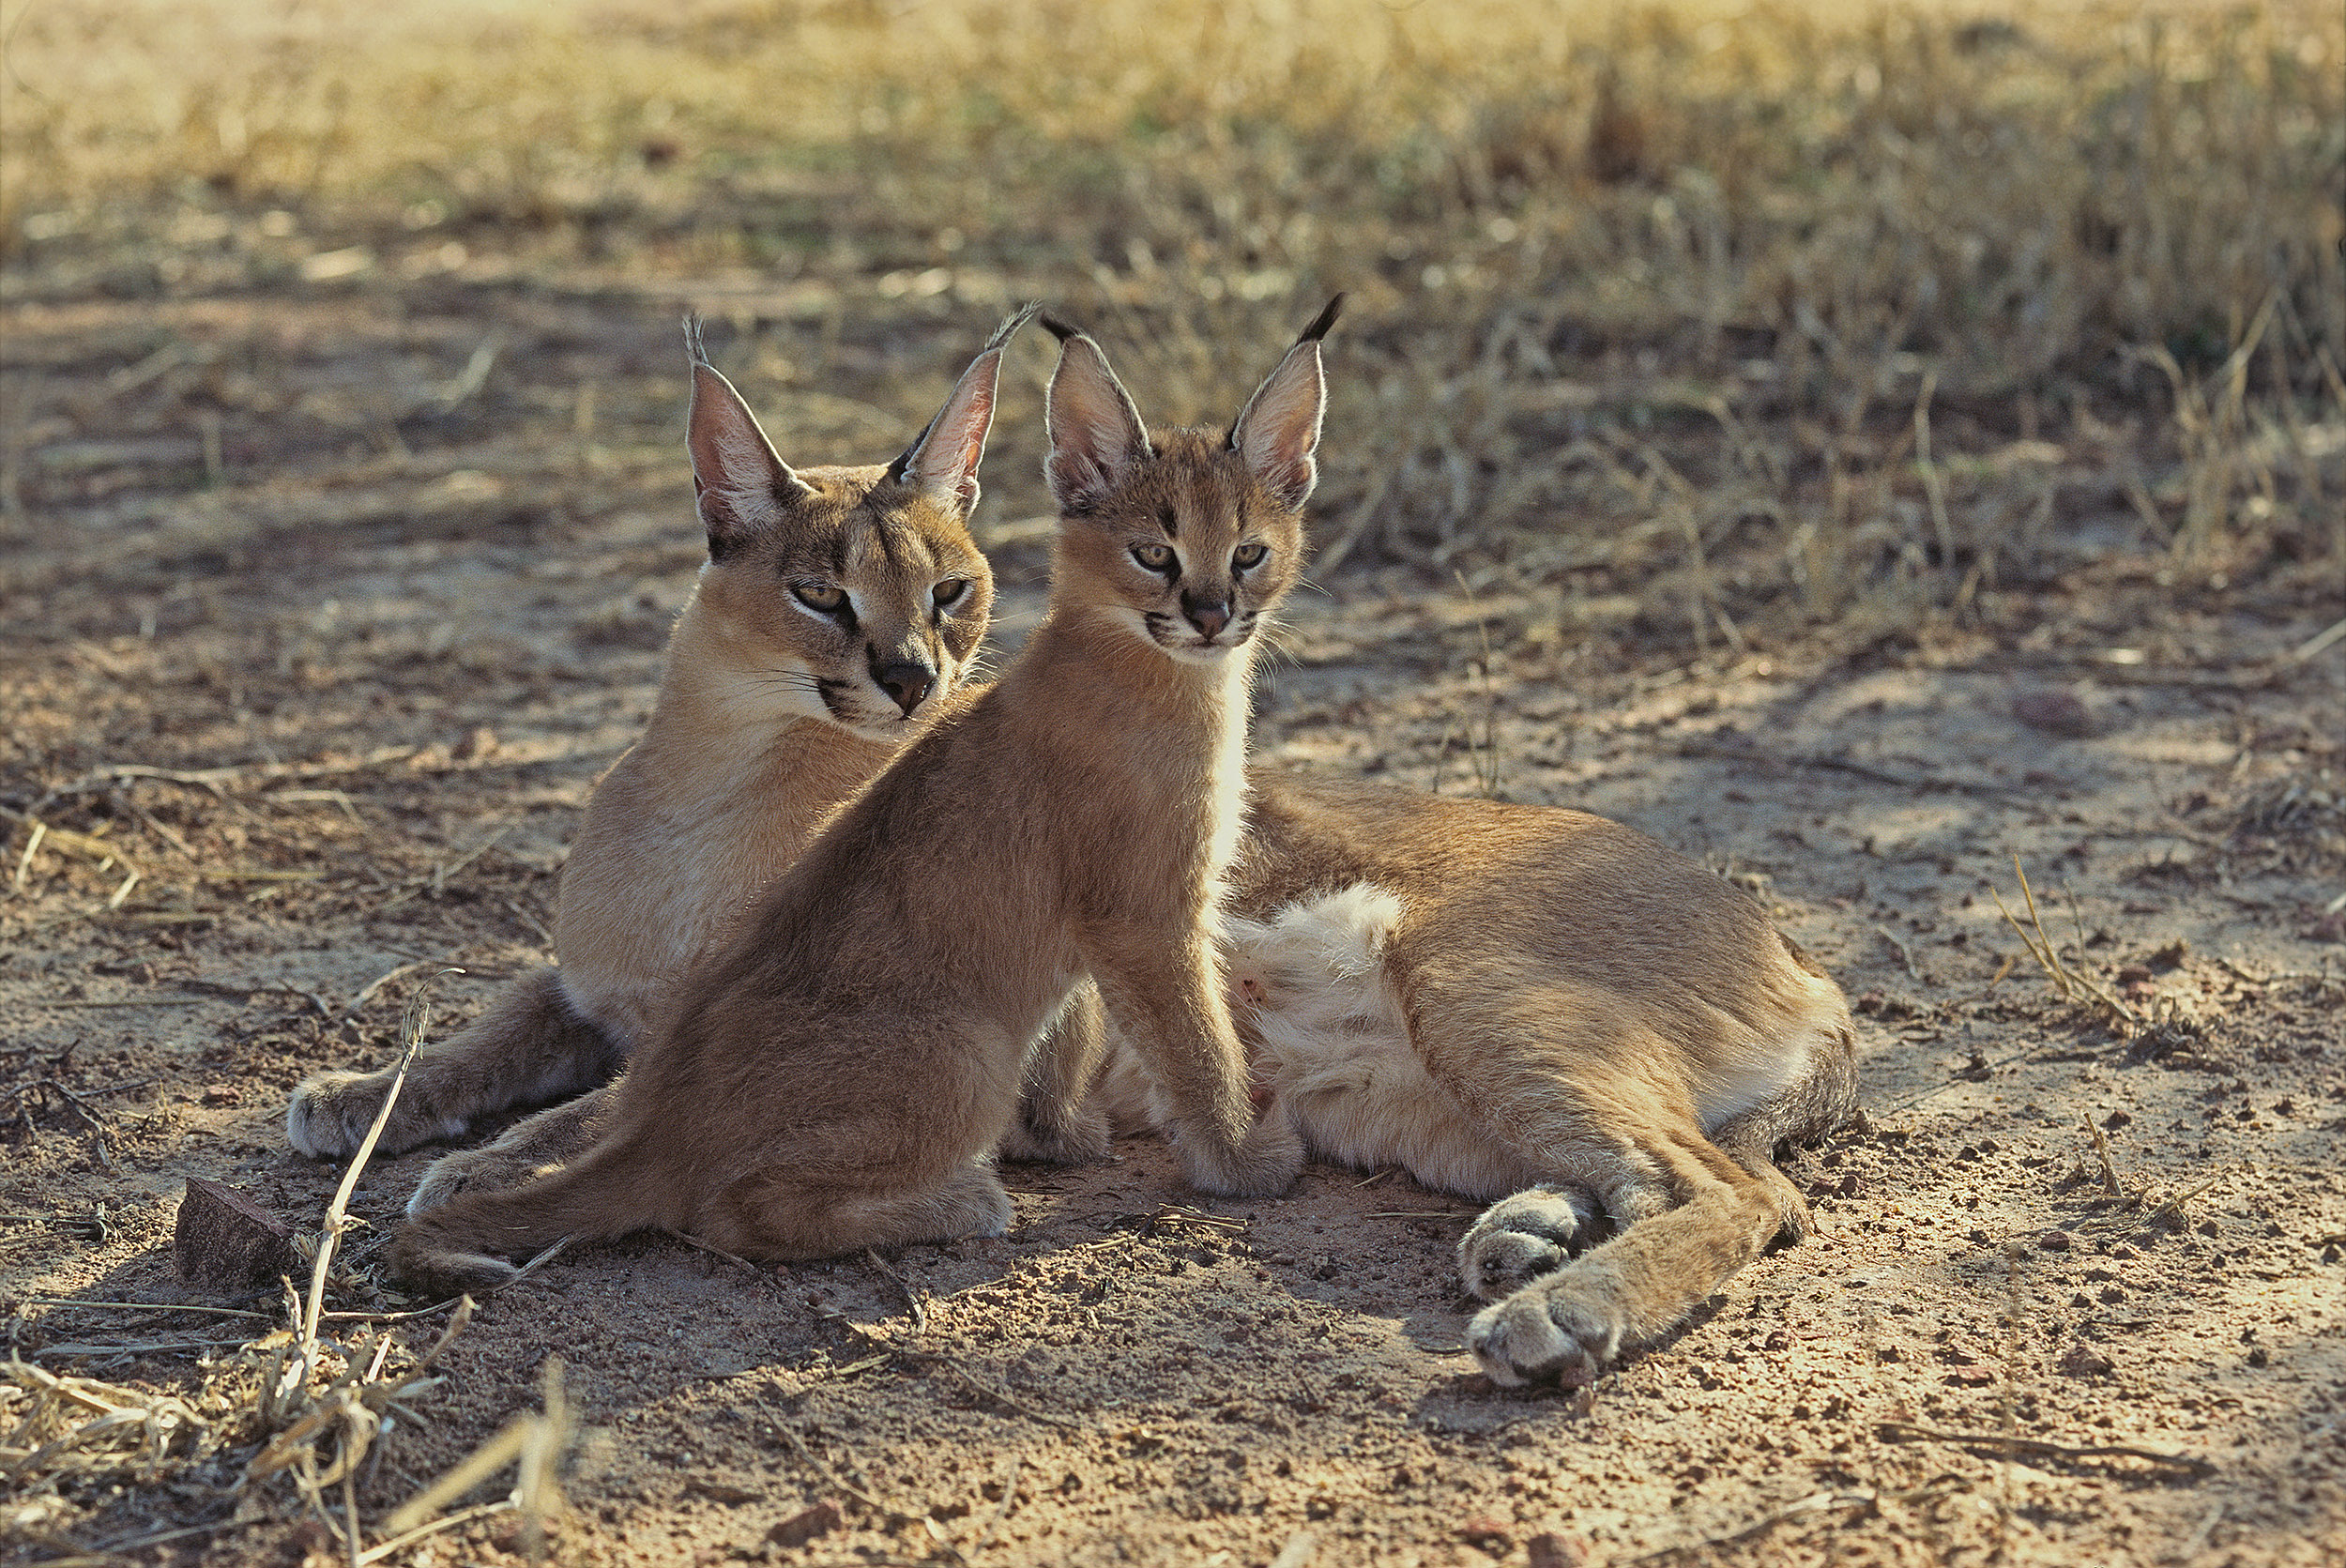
(1524, 1000)
(838, 608)
(837, 1071)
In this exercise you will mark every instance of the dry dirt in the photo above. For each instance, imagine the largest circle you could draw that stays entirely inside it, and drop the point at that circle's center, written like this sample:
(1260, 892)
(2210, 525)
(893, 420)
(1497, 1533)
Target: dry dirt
(335, 672)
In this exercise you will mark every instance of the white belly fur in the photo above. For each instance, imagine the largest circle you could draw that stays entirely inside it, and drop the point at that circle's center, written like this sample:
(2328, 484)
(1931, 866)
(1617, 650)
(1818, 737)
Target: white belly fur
(1337, 1050)
(1335, 1047)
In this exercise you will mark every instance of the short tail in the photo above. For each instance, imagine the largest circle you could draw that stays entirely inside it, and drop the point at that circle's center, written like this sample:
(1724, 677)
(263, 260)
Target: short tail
(465, 1245)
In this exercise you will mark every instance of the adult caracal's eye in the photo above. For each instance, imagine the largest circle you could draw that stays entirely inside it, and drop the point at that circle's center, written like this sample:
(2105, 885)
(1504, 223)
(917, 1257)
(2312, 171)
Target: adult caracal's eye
(949, 593)
(1249, 556)
(1156, 558)
(816, 594)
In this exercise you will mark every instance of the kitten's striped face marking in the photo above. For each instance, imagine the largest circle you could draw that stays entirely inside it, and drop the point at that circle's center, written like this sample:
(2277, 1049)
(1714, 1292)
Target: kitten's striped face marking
(1193, 537)
(1192, 554)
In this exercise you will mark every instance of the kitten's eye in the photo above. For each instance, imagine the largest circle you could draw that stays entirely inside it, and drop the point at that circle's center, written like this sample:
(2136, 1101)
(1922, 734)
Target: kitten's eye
(949, 592)
(816, 594)
(1247, 557)
(1156, 558)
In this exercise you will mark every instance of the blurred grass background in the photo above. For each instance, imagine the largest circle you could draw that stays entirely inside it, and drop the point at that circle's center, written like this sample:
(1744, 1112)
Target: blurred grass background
(1727, 319)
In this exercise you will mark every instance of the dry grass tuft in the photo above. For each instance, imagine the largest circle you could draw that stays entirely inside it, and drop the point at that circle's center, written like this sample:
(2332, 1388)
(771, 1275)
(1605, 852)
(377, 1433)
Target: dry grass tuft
(1772, 314)
(311, 1413)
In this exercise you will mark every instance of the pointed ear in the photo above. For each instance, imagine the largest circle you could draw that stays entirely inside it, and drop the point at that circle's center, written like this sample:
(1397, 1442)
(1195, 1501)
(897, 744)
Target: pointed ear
(1094, 430)
(741, 485)
(1279, 431)
(943, 462)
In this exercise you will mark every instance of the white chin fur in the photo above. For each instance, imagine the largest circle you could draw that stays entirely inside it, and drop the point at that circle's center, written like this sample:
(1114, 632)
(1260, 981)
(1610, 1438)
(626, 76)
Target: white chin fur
(1200, 653)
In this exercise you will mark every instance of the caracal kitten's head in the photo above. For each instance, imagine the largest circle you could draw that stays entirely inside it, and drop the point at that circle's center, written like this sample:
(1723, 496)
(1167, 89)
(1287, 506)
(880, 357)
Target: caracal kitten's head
(851, 594)
(1188, 536)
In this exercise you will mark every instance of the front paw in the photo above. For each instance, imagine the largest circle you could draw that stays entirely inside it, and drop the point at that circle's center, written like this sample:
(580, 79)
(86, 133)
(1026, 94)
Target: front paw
(1520, 1239)
(1263, 1165)
(1078, 1139)
(1558, 1331)
(331, 1113)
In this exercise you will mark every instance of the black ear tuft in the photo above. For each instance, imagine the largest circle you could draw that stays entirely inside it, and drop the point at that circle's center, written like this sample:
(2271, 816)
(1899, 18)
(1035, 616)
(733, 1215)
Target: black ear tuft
(693, 338)
(1026, 312)
(943, 458)
(1060, 329)
(1322, 322)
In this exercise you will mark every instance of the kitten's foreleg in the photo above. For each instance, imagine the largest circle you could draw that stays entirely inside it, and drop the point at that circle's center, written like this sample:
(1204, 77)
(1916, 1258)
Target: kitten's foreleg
(1166, 997)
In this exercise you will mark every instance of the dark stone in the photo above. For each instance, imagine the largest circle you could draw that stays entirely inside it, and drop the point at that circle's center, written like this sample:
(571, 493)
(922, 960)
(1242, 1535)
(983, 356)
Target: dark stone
(805, 1525)
(225, 1241)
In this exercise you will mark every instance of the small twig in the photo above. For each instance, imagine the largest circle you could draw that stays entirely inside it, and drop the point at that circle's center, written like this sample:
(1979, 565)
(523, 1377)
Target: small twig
(24, 862)
(1814, 1502)
(467, 1474)
(978, 1385)
(398, 1543)
(2174, 1206)
(336, 1212)
(1181, 1213)
(142, 1306)
(920, 1313)
(135, 1542)
(1900, 1431)
(2101, 1148)
(2191, 1548)
(136, 1347)
(2316, 644)
(367, 995)
(1906, 954)
(714, 1251)
(1010, 1496)
(866, 1498)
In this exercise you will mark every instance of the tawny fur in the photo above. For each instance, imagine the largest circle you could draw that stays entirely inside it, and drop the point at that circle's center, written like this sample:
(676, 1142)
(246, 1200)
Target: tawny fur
(848, 1056)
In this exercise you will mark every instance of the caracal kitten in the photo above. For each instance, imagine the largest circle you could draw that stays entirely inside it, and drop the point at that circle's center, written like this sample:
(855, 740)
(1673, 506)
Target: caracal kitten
(838, 608)
(836, 1074)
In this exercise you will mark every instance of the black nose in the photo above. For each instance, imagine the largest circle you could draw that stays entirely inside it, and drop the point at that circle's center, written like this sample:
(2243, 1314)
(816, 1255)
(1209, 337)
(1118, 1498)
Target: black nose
(907, 682)
(1209, 618)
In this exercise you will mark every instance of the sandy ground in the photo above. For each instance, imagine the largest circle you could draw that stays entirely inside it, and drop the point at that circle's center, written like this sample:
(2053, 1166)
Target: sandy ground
(337, 670)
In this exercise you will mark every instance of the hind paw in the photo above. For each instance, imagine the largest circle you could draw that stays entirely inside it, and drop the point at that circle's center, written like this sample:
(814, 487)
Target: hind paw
(1557, 1331)
(442, 1275)
(473, 1170)
(1520, 1239)
(1078, 1139)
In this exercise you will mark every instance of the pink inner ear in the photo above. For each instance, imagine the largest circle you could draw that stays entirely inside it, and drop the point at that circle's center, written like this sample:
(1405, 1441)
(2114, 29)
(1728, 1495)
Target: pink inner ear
(1282, 428)
(1092, 438)
(949, 459)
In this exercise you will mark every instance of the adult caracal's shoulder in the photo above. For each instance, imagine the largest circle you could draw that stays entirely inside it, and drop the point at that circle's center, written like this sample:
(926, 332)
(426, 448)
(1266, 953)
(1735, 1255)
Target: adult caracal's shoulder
(838, 608)
(848, 1058)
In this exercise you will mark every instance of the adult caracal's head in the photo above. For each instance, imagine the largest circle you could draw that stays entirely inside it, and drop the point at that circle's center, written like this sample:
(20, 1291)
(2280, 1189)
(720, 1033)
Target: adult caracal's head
(1186, 538)
(852, 594)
